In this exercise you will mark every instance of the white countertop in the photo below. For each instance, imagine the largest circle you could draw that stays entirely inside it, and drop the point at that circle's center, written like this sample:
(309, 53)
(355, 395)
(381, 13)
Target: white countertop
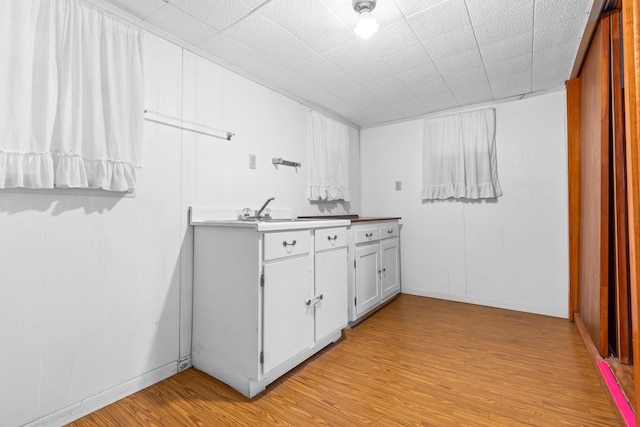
(207, 217)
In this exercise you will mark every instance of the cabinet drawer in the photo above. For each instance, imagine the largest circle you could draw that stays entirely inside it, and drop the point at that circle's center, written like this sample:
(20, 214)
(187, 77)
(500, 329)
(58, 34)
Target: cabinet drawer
(329, 238)
(286, 243)
(367, 235)
(389, 231)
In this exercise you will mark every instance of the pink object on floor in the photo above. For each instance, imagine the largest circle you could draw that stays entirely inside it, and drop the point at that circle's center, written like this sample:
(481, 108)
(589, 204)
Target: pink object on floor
(621, 402)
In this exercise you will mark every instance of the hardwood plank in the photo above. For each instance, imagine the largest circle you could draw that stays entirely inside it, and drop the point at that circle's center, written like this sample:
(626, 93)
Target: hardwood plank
(417, 361)
(631, 36)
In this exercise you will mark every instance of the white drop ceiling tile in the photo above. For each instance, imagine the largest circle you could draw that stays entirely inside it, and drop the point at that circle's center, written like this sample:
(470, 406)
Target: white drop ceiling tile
(253, 4)
(417, 75)
(386, 84)
(328, 100)
(310, 91)
(412, 105)
(466, 77)
(373, 71)
(555, 54)
(443, 18)
(476, 99)
(560, 70)
(511, 92)
(451, 43)
(505, 25)
(226, 48)
(315, 68)
(349, 56)
(459, 62)
(481, 10)
(139, 9)
(346, 110)
(180, 24)
(336, 82)
(563, 32)
(219, 14)
(256, 31)
(441, 101)
(515, 65)
(288, 51)
(313, 23)
(411, 57)
(383, 113)
(482, 90)
(505, 49)
(358, 94)
(551, 12)
(411, 7)
(514, 80)
(427, 89)
(397, 96)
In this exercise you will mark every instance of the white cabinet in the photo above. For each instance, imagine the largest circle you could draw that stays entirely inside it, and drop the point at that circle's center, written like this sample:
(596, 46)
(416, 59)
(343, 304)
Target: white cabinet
(375, 257)
(265, 301)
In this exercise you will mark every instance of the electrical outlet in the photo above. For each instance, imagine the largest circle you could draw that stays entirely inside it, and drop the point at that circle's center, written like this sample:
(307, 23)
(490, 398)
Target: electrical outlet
(398, 185)
(252, 161)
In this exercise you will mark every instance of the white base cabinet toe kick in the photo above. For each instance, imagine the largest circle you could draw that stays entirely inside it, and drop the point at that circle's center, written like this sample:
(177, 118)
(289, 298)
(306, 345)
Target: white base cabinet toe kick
(264, 301)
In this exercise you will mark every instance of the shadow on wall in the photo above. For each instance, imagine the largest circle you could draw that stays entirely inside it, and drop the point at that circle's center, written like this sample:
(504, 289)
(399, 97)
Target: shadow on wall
(59, 200)
(328, 207)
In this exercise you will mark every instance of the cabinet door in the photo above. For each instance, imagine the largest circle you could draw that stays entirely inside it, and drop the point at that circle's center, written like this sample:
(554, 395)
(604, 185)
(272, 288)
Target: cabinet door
(287, 320)
(331, 283)
(390, 276)
(367, 277)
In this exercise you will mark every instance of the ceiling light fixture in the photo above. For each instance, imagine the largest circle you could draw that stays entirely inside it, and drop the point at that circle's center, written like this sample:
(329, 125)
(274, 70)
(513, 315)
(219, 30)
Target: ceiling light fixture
(367, 24)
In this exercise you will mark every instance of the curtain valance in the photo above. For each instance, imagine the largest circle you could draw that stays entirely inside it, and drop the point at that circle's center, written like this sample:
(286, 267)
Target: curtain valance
(72, 110)
(459, 157)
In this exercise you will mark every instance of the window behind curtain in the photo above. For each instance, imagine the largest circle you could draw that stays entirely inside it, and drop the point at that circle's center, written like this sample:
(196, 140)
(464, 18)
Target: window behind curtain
(459, 157)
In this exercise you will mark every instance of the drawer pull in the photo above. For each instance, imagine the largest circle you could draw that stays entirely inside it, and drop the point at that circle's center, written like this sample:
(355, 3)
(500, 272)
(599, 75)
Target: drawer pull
(286, 244)
(332, 239)
(390, 231)
(369, 235)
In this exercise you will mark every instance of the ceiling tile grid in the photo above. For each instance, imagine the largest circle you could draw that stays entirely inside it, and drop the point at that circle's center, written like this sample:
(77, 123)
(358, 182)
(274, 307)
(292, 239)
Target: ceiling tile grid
(428, 55)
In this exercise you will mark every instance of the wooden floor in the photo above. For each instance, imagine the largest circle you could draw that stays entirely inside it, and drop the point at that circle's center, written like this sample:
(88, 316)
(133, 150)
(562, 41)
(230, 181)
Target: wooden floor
(418, 361)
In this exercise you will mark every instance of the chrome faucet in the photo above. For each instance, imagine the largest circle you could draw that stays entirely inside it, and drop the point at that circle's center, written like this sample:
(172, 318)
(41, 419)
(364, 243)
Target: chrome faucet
(259, 211)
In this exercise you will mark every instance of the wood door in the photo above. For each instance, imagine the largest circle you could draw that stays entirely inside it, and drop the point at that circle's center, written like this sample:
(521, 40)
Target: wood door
(594, 188)
(367, 277)
(331, 283)
(287, 319)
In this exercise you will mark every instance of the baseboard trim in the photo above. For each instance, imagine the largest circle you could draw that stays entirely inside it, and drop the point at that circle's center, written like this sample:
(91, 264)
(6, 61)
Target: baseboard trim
(489, 303)
(107, 397)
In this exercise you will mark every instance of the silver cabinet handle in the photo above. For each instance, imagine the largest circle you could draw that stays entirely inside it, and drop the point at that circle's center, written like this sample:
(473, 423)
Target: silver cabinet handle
(390, 231)
(314, 301)
(369, 235)
(285, 243)
(329, 238)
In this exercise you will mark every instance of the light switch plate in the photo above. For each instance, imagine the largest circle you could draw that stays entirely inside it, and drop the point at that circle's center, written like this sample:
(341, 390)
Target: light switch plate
(398, 185)
(252, 161)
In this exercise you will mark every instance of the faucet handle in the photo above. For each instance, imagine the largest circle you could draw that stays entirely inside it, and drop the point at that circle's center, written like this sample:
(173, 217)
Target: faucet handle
(246, 212)
(266, 213)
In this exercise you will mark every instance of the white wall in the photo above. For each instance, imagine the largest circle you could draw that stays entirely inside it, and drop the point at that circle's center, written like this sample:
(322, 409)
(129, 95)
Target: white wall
(512, 253)
(95, 295)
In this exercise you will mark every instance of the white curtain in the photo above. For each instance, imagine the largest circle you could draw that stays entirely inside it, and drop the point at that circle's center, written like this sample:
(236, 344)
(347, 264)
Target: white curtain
(329, 159)
(72, 104)
(459, 157)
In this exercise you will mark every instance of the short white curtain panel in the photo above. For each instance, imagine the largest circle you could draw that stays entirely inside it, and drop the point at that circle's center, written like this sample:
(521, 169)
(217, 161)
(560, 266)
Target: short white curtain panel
(459, 157)
(329, 159)
(72, 97)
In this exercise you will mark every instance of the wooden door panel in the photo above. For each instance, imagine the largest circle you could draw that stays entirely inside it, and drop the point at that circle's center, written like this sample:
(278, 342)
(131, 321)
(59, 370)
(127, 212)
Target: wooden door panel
(594, 187)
